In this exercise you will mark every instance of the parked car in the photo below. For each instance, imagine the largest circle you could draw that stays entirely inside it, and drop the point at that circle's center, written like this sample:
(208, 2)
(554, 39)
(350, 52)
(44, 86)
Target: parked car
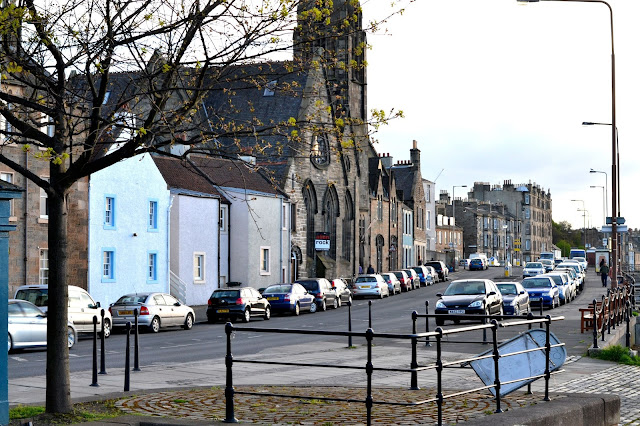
(578, 271)
(81, 307)
(542, 289)
(564, 286)
(574, 278)
(464, 297)
(406, 283)
(292, 298)
(583, 262)
(532, 269)
(237, 304)
(413, 275)
(515, 299)
(155, 311)
(28, 326)
(441, 269)
(323, 292)
(370, 285)
(422, 273)
(433, 275)
(476, 264)
(342, 290)
(547, 264)
(392, 282)
(464, 263)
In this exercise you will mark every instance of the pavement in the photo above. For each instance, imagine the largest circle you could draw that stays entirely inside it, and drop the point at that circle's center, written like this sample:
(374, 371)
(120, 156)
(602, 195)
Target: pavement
(193, 393)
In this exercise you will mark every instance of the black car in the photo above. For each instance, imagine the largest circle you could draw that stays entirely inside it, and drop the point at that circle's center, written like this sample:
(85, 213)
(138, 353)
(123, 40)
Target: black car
(469, 297)
(441, 269)
(242, 304)
(515, 299)
(321, 289)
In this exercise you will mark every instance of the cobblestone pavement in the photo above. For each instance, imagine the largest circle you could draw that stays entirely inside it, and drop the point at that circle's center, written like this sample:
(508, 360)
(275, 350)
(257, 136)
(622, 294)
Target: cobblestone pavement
(209, 404)
(622, 380)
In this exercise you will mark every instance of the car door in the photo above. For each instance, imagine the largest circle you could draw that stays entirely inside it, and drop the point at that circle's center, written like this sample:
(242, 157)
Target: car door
(162, 310)
(177, 316)
(77, 313)
(256, 301)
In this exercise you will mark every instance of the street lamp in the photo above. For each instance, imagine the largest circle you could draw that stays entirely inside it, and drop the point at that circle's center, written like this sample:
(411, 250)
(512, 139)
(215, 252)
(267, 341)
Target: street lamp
(585, 213)
(453, 203)
(606, 184)
(614, 148)
(604, 201)
(584, 228)
(591, 123)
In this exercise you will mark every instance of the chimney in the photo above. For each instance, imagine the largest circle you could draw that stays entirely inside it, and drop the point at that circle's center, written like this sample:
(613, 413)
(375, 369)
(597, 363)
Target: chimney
(387, 161)
(415, 155)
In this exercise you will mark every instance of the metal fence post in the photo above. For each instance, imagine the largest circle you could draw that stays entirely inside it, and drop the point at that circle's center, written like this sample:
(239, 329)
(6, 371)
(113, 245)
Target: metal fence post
(541, 311)
(426, 321)
(547, 372)
(370, 303)
(605, 321)
(414, 353)
(126, 359)
(369, 369)
(136, 341)
(595, 324)
(627, 311)
(439, 396)
(229, 391)
(529, 318)
(496, 359)
(103, 369)
(350, 337)
(94, 372)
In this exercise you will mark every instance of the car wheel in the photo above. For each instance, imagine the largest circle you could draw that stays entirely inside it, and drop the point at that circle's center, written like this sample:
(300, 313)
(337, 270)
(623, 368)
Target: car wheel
(339, 301)
(246, 317)
(71, 337)
(296, 309)
(381, 294)
(439, 321)
(10, 343)
(107, 328)
(313, 308)
(267, 313)
(188, 322)
(335, 303)
(321, 306)
(155, 325)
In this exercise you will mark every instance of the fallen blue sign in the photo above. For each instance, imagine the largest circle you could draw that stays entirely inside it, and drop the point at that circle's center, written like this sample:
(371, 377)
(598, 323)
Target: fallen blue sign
(520, 366)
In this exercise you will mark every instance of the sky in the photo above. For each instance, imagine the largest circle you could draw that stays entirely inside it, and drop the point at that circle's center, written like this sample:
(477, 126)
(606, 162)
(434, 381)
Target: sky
(493, 90)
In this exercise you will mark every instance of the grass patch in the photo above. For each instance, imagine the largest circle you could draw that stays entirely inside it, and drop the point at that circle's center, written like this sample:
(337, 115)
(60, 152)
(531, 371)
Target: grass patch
(618, 354)
(25, 411)
(83, 412)
(180, 401)
(313, 401)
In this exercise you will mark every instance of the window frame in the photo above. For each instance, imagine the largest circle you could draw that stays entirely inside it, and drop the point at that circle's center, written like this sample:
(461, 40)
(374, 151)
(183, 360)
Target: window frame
(111, 223)
(111, 276)
(201, 277)
(265, 261)
(43, 280)
(152, 223)
(152, 266)
(10, 176)
(223, 221)
(44, 201)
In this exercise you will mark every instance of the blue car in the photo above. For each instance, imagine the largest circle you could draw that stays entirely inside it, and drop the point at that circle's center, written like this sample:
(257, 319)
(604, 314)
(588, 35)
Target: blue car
(292, 298)
(476, 265)
(542, 289)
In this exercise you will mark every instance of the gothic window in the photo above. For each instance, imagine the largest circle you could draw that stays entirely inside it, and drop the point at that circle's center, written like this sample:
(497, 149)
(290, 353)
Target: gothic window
(331, 212)
(310, 203)
(393, 253)
(379, 254)
(347, 227)
(320, 150)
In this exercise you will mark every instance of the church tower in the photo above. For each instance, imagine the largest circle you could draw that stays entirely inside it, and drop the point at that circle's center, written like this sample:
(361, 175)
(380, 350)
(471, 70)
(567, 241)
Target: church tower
(333, 29)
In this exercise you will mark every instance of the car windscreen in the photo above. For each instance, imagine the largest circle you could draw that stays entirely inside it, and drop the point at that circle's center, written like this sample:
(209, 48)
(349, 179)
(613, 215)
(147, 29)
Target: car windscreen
(398, 275)
(366, 280)
(536, 283)
(532, 265)
(465, 288)
(309, 285)
(436, 265)
(418, 270)
(507, 288)
(37, 296)
(557, 279)
(280, 288)
(132, 299)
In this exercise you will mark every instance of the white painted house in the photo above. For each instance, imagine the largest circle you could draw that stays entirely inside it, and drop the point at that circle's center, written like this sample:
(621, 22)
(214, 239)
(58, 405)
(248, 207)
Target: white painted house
(128, 230)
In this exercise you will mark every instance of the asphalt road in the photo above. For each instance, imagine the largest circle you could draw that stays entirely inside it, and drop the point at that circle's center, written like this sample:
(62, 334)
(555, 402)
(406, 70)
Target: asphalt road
(208, 341)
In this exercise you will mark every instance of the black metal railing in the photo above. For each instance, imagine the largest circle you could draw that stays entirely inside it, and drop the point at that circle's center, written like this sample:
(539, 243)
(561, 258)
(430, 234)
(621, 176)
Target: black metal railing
(438, 366)
(611, 311)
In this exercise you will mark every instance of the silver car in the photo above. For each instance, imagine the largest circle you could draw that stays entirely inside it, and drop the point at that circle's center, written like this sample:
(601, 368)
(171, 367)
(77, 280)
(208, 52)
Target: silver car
(531, 269)
(370, 285)
(155, 311)
(393, 282)
(28, 326)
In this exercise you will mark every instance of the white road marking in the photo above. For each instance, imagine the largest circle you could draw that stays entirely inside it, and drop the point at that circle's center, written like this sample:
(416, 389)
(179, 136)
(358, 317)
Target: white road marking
(19, 359)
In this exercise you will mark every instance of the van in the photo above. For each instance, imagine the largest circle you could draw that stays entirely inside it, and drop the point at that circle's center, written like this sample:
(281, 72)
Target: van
(82, 308)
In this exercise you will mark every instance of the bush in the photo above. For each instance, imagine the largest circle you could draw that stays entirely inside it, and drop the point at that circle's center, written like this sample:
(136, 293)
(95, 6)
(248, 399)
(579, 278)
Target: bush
(618, 354)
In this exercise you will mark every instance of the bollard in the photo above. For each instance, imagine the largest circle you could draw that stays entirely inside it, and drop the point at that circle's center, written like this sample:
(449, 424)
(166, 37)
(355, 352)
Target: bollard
(136, 341)
(595, 324)
(350, 337)
(228, 390)
(426, 320)
(541, 311)
(370, 303)
(496, 359)
(414, 353)
(103, 369)
(369, 369)
(94, 370)
(439, 367)
(126, 358)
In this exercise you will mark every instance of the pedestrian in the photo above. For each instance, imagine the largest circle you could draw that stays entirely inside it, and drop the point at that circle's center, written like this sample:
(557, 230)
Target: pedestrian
(419, 261)
(604, 272)
(370, 270)
(360, 269)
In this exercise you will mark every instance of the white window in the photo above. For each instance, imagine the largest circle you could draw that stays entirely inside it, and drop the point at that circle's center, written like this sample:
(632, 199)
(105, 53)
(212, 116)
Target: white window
(264, 260)
(152, 267)
(224, 213)
(198, 266)
(428, 219)
(44, 267)
(526, 198)
(108, 265)
(125, 125)
(44, 203)
(527, 213)
(527, 245)
(109, 212)
(284, 217)
(8, 177)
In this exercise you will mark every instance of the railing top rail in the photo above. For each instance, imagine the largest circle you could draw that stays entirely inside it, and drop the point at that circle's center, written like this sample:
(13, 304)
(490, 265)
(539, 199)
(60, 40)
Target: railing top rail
(525, 322)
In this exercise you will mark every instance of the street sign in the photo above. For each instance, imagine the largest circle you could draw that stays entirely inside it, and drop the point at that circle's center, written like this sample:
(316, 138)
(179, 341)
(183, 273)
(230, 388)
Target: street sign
(323, 241)
(619, 228)
(619, 220)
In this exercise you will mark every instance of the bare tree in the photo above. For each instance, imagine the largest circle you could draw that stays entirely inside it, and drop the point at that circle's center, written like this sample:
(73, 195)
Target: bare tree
(87, 83)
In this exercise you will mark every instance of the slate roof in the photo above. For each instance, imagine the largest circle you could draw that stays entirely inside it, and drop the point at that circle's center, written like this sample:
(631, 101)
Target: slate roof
(404, 181)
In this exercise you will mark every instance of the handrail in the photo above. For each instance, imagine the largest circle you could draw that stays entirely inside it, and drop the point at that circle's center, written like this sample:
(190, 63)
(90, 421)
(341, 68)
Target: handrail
(612, 310)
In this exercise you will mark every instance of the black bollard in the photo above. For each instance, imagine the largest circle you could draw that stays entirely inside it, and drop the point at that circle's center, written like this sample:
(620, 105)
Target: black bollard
(414, 353)
(426, 320)
(350, 338)
(94, 375)
(229, 391)
(136, 342)
(370, 303)
(126, 358)
(103, 369)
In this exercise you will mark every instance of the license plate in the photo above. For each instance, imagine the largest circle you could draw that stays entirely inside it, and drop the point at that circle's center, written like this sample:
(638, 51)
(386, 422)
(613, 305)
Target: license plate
(125, 312)
(222, 311)
(456, 311)
(534, 299)
(365, 286)
(273, 298)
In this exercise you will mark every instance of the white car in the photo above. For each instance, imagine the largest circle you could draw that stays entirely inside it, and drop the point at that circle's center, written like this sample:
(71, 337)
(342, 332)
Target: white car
(370, 285)
(532, 269)
(564, 286)
(582, 262)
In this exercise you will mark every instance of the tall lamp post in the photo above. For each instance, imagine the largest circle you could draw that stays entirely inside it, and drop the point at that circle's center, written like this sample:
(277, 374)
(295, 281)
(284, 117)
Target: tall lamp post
(614, 148)
(617, 176)
(453, 203)
(606, 184)
(584, 225)
(604, 202)
(585, 213)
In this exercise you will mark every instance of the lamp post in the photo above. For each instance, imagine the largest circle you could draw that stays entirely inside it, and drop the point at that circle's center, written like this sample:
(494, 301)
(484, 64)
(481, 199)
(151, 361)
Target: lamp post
(614, 147)
(584, 227)
(606, 184)
(585, 212)
(617, 177)
(604, 202)
(453, 203)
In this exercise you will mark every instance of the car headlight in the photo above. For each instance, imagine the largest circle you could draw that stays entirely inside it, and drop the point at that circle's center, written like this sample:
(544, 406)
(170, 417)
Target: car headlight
(440, 305)
(546, 293)
(476, 304)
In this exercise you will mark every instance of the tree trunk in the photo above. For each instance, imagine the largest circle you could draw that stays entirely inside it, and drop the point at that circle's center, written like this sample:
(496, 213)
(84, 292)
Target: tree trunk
(58, 395)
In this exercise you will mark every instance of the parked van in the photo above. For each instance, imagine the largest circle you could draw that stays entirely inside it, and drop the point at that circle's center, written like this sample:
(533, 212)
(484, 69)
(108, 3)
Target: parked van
(82, 307)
